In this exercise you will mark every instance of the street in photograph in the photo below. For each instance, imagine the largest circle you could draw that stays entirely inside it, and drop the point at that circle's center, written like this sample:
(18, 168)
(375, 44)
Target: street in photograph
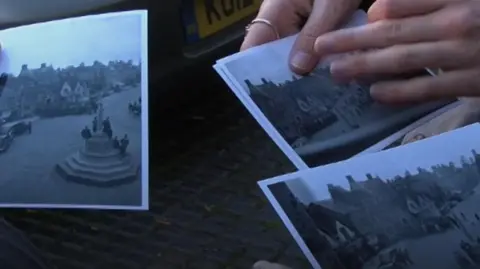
(70, 117)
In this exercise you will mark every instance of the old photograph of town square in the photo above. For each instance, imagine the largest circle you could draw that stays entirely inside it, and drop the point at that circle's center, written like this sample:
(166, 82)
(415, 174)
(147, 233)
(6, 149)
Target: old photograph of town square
(313, 119)
(73, 113)
(411, 207)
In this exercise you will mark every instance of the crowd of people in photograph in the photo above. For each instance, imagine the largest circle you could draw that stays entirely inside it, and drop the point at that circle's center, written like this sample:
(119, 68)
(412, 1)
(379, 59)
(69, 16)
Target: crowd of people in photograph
(135, 107)
(106, 128)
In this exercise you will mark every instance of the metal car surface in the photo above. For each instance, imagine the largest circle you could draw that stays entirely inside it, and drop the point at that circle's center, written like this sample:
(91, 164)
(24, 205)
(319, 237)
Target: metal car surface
(185, 36)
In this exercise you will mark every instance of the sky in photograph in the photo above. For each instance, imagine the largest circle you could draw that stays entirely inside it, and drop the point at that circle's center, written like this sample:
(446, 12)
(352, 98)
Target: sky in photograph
(442, 149)
(72, 41)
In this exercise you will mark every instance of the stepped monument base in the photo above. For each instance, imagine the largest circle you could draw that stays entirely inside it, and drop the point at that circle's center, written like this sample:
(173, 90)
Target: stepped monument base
(99, 163)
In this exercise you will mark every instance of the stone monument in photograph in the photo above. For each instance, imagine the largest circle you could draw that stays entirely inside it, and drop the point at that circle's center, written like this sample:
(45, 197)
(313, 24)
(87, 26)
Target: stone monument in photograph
(98, 163)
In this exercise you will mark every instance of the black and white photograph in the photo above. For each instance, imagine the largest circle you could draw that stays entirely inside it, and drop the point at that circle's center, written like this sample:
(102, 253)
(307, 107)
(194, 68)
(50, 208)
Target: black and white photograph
(410, 207)
(313, 119)
(74, 113)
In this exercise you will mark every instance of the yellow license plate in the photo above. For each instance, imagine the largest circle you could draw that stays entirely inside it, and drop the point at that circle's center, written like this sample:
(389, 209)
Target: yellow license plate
(215, 15)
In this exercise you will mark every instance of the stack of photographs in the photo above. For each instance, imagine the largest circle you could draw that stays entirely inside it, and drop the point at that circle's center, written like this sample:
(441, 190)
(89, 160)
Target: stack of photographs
(74, 113)
(313, 119)
(414, 206)
(391, 206)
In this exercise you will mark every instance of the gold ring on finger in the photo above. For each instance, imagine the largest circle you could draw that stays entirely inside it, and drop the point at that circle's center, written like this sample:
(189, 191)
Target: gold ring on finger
(266, 22)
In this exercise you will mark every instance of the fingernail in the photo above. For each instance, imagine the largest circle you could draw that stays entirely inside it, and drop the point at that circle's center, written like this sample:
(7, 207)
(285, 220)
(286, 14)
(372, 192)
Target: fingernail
(340, 70)
(323, 46)
(376, 92)
(303, 62)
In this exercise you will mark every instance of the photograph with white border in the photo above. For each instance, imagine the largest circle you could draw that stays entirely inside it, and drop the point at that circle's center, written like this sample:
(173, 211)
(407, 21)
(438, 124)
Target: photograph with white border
(396, 208)
(313, 119)
(74, 113)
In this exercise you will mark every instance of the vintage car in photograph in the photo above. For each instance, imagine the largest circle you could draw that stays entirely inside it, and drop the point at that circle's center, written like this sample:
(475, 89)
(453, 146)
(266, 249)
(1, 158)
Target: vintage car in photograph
(6, 140)
(6, 136)
(10, 130)
(19, 128)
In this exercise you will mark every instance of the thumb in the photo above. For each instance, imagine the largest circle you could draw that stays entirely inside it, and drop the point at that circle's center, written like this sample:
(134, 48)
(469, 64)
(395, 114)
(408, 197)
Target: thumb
(326, 16)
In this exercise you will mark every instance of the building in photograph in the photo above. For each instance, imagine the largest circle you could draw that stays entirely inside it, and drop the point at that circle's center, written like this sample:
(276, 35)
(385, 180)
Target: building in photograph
(302, 107)
(299, 217)
(73, 90)
(46, 91)
(379, 221)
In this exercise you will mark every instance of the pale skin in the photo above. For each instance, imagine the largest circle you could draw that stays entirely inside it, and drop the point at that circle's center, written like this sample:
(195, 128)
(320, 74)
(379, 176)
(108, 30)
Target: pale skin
(407, 35)
(310, 18)
(402, 35)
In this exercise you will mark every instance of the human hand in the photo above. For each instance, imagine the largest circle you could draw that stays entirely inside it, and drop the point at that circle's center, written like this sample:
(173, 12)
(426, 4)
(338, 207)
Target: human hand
(409, 35)
(311, 17)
